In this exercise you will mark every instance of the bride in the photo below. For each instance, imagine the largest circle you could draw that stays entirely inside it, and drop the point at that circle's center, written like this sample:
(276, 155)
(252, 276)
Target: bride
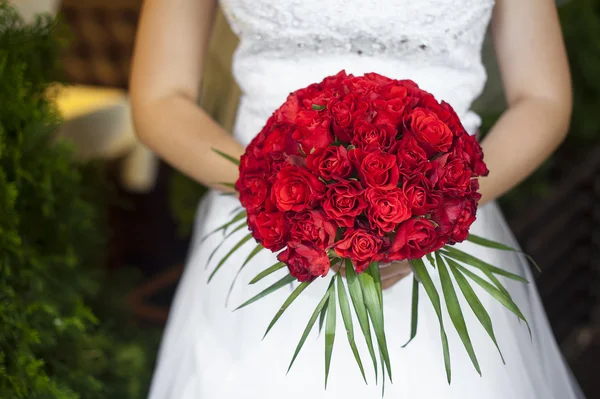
(211, 352)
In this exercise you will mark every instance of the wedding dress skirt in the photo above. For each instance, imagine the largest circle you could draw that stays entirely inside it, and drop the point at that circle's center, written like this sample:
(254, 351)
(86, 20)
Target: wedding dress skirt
(211, 352)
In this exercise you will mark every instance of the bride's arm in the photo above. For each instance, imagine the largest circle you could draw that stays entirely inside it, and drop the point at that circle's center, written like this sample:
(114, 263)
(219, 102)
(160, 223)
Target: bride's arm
(535, 73)
(171, 44)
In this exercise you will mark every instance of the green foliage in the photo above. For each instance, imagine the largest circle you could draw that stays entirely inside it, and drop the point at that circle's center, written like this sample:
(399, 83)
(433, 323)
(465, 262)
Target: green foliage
(52, 345)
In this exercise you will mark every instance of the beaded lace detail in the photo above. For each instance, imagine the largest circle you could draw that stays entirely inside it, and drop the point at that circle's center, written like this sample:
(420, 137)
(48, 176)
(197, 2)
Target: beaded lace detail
(287, 44)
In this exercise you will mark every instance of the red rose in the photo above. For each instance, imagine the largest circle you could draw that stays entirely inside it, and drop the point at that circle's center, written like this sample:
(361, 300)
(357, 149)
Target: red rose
(313, 130)
(447, 115)
(467, 148)
(386, 208)
(334, 82)
(411, 157)
(414, 239)
(447, 214)
(425, 99)
(279, 143)
(371, 137)
(333, 163)
(360, 84)
(296, 189)
(312, 228)
(465, 219)
(430, 132)
(269, 228)
(253, 189)
(454, 217)
(305, 263)
(344, 112)
(450, 175)
(250, 164)
(391, 111)
(360, 246)
(421, 198)
(289, 110)
(376, 169)
(377, 78)
(409, 84)
(344, 202)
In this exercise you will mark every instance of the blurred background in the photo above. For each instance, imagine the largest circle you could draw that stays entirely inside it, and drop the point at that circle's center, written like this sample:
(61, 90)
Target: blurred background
(94, 228)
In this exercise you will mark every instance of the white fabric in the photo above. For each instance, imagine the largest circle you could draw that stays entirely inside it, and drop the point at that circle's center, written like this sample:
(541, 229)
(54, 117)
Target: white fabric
(209, 351)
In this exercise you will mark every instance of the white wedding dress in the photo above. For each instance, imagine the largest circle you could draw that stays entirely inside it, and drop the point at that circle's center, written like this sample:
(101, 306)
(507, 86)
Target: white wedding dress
(211, 352)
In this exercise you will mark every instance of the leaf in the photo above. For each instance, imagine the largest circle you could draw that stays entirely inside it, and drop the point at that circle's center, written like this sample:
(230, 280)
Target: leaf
(360, 310)
(425, 278)
(329, 332)
(493, 244)
(374, 270)
(231, 251)
(371, 298)
(239, 216)
(230, 185)
(474, 302)
(255, 251)
(317, 107)
(475, 262)
(309, 325)
(478, 263)
(496, 293)
(232, 232)
(272, 288)
(489, 243)
(228, 157)
(301, 287)
(430, 259)
(347, 317)
(414, 318)
(454, 310)
(267, 272)
(322, 317)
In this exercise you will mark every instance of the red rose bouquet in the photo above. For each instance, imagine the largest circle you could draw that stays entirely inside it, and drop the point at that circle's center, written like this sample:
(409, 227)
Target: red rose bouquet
(354, 171)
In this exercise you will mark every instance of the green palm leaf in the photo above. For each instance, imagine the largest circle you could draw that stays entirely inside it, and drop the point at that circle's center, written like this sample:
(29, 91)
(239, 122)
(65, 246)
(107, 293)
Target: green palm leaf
(496, 293)
(267, 272)
(454, 310)
(375, 310)
(230, 185)
(231, 251)
(347, 317)
(254, 252)
(414, 318)
(360, 309)
(227, 157)
(311, 322)
(493, 244)
(475, 304)
(329, 332)
(301, 287)
(488, 243)
(322, 316)
(232, 232)
(272, 288)
(425, 278)
(239, 216)
(478, 263)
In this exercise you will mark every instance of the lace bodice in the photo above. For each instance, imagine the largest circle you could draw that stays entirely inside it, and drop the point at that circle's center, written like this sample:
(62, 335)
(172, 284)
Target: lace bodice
(288, 44)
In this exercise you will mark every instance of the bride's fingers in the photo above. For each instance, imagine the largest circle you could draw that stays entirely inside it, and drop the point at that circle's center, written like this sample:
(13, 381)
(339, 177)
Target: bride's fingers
(389, 282)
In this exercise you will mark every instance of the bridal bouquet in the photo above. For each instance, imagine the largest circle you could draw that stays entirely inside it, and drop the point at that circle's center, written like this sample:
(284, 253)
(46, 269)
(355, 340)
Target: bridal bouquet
(358, 170)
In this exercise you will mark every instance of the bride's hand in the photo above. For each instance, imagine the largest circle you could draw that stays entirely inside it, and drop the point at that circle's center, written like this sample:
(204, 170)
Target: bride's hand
(390, 273)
